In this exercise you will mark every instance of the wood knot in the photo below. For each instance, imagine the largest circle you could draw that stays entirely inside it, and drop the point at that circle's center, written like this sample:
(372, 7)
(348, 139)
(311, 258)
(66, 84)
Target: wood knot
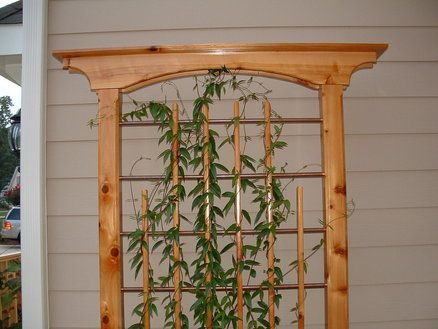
(105, 188)
(105, 319)
(340, 251)
(341, 189)
(343, 290)
(114, 251)
(153, 48)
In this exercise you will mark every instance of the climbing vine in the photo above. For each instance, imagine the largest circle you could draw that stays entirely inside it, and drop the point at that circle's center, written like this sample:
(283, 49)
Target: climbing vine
(206, 277)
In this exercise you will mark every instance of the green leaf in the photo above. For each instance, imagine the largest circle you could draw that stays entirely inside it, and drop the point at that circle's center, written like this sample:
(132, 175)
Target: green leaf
(246, 216)
(198, 200)
(227, 247)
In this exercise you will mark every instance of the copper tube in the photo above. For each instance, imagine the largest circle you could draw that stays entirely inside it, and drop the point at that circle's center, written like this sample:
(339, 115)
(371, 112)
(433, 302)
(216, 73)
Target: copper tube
(238, 215)
(229, 121)
(175, 215)
(145, 254)
(269, 214)
(300, 257)
(206, 177)
(307, 230)
(253, 287)
(312, 174)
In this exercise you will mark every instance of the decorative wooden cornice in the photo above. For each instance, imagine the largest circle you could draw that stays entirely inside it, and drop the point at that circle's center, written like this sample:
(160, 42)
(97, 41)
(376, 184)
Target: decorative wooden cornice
(311, 65)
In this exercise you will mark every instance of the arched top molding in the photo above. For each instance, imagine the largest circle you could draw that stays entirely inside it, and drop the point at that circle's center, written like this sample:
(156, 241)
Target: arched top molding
(310, 65)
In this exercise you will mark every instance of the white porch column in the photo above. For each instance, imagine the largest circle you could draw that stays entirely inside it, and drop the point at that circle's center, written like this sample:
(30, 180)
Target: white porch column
(33, 166)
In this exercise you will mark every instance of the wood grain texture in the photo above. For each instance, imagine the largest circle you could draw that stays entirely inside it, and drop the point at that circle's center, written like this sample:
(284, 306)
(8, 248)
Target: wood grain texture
(404, 41)
(310, 65)
(111, 301)
(387, 81)
(334, 186)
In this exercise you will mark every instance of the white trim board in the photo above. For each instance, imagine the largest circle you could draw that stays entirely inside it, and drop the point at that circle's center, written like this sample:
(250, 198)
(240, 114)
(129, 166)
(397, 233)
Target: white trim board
(33, 179)
(11, 39)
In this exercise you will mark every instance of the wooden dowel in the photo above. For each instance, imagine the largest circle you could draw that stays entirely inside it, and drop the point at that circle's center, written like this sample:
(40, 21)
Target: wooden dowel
(269, 215)
(145, 254)
(206, 174)
(251, 287)
(228, 121)
(307, 230)
(238, 216)
(176, 220)
(300, 257)
(305, 174)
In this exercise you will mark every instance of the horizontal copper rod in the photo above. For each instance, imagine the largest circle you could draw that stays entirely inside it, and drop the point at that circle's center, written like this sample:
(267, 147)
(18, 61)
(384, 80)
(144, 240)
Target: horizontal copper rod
(227, 121)
(310, 174)
(248, 287)
(307, 230)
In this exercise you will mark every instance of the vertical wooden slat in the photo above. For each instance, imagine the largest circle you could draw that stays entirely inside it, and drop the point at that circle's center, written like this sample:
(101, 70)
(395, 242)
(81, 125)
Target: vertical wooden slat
(176, 219)
(145, 253)
(238, 215)
(206, 165)
(300, 257)
(111, 300)
(269, 215)
(336, 247)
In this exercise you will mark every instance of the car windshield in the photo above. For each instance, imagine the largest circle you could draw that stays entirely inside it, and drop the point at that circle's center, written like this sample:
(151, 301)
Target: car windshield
(14, 214)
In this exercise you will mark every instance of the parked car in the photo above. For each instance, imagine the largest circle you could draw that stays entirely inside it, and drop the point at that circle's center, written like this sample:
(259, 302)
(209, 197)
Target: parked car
(11, 228)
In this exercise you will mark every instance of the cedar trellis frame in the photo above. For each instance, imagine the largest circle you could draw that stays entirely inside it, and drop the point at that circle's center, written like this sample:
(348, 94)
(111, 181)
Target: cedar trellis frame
(323, 67)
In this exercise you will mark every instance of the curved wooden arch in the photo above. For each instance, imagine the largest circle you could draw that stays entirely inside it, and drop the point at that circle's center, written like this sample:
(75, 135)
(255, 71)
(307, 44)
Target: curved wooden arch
(310, 65)
(324, 67)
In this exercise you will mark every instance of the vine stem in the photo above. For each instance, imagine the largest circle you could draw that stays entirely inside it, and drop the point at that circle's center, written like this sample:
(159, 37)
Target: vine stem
(145, 252)
(175, 215)
(300, 258)
(206, 163)
(238, 215)
(270, 197)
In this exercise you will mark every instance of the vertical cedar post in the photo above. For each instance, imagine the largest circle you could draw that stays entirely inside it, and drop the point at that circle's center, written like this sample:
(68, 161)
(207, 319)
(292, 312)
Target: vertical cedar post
(111, 301)
(334, 192)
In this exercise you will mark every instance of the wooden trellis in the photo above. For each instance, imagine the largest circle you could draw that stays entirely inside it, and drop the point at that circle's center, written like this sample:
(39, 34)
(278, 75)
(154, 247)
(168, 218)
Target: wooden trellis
(323, 67)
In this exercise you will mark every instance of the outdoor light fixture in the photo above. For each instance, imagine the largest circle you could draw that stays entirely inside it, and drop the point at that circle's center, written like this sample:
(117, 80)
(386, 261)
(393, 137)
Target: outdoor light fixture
(14, 133)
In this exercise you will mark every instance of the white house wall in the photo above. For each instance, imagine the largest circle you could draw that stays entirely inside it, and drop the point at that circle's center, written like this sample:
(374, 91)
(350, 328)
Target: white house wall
(391, 123)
